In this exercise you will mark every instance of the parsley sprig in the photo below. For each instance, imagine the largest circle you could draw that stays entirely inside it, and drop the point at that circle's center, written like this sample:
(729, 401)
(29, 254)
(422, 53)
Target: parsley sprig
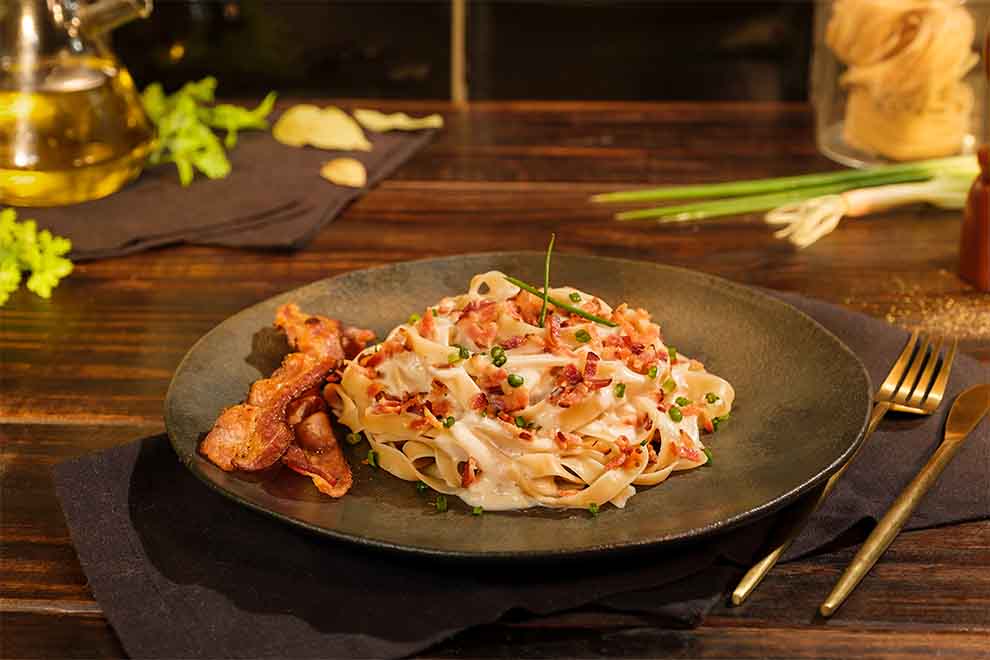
(184, 122)
(24, 248)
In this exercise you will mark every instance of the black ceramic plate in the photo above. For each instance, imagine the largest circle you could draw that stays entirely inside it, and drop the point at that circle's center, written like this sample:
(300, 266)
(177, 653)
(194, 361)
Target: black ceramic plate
(802, 400)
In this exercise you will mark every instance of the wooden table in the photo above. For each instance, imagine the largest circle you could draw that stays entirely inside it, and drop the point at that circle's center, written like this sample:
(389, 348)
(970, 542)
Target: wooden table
(89, 368)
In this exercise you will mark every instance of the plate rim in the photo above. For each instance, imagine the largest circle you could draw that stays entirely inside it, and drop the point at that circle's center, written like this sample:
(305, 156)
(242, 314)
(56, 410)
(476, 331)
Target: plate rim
(695, 534)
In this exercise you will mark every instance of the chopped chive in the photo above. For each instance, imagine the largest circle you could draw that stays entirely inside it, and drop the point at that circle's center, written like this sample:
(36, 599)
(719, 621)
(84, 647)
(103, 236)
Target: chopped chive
(718, 421)
(515, 380)
(448, 422)
(557, 303)
(521, 422)
(546, 280)
(711, 397)
(421, 487)
(441, 503)
(434, 310)
(675, 413)
(575, 297)
(354, 438)
(643, 443)
(672, 352)
(500, 360)
(454, 357)
(708, 453)
(463, 352)
(652, 371)
(413, 318)
(372, 458)
(669, 385)
(620, 390)
(593, 509)
(682, 401)
(582, 335)
(477, 511)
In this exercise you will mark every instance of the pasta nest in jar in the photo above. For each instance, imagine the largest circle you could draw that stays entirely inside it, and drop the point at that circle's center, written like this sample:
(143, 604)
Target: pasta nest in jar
(476, 399)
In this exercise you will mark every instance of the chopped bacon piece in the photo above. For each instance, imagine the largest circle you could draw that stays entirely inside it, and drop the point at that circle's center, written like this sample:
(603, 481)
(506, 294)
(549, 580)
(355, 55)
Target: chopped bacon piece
(552, 339)
(325, 465)
(426, 325)
(571, 374)
(565, 439)
(591, 365)
(528, 307)
(525, 435)
(479, 401)
(388, 348)
(479, 322)
(469, 473)
(706, 422)
(513, 342)
(685, 448)
(255, 434)
(598, 383)
(626, 452)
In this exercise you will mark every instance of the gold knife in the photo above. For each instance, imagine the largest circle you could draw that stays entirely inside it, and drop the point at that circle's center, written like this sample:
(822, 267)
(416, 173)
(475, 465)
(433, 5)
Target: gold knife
(967, 411)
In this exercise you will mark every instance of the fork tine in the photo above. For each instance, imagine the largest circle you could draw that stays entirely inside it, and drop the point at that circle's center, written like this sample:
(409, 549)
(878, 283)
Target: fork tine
(934, 397)
(926, 378)
(886, 390)
(907, 385)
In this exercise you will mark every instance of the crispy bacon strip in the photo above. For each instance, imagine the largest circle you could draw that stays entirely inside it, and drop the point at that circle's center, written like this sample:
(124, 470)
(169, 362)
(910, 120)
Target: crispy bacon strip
(327, 468)
(319, 335)
(255, 434)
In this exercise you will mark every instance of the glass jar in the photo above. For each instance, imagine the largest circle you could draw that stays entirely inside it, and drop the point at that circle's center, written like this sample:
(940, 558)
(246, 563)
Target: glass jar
(898, 80)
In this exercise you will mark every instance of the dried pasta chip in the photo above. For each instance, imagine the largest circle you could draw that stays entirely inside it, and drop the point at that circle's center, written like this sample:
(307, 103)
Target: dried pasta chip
(327, 128)
(345, 172)
(379, 122)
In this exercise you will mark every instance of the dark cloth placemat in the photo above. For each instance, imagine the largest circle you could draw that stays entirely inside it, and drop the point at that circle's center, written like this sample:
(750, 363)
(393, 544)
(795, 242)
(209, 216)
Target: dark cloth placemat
(274, 197)
(182, 572)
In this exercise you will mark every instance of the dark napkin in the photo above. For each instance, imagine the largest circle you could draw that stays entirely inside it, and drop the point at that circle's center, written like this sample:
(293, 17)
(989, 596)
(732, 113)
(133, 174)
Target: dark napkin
(274, 197)
(183, 572)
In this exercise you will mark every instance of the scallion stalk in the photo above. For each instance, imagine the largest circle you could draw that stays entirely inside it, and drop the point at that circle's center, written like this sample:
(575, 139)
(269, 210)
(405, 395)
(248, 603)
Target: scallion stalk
(753, 203)
(915, 171)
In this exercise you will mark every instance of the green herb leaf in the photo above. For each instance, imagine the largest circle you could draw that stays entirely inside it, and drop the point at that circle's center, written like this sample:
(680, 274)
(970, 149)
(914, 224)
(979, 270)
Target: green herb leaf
(708, 453)
(682, 401)
(354, 438)
(575, 297)
(669, 385)
(593, 509)
(441, 503)
(184, 123)
(24, 248)
(477, 511)
(718, 421)
(582, 336)
(421, 487)
(620, 390)
(711, 397)
(372, 458)
(652, 371)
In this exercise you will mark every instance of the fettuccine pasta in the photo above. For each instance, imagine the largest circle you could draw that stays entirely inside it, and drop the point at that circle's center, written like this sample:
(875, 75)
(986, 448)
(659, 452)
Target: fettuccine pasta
(475, 399)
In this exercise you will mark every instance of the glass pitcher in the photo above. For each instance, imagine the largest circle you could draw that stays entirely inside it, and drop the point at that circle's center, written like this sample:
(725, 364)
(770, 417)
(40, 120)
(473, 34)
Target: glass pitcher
(71, 123)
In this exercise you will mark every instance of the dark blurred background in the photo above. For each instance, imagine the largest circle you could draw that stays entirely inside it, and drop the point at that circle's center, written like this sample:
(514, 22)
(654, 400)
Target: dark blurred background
(548, 49)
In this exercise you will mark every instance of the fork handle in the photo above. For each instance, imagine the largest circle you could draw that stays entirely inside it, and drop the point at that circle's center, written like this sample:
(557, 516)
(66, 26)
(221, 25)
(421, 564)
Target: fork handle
(890, 525)
(785, 537)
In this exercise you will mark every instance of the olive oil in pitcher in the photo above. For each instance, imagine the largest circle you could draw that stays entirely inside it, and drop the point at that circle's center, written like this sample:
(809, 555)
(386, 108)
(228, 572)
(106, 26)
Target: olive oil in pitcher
(71, 123)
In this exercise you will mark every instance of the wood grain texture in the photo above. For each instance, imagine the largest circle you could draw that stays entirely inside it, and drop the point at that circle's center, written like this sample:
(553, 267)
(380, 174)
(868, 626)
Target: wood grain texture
(88, 369)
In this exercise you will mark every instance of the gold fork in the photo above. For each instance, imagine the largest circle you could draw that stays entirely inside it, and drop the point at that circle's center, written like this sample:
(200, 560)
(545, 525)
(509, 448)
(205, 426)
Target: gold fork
(903, 390)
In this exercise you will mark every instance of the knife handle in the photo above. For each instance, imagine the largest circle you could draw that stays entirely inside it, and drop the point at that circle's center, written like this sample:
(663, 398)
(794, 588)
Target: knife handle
(889, 526)
(786, 535)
